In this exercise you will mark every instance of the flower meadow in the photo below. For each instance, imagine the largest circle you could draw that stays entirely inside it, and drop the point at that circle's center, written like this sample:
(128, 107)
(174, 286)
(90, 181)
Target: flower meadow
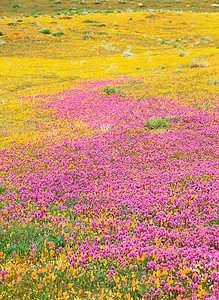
(122, 212)
(109, 184)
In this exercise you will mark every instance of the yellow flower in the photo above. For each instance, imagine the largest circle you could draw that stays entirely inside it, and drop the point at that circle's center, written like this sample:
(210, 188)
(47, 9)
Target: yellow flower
(66, 295)
(70, 285)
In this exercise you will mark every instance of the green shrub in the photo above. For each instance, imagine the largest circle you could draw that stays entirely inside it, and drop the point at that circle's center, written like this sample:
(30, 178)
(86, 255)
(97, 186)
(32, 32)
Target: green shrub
(207, 106)
(204, 106)
(1, 33)
(17, 6)
(2, 190)
(58, 33)
(45, 31)
(155, 123)
(110, 91)
(172, 118)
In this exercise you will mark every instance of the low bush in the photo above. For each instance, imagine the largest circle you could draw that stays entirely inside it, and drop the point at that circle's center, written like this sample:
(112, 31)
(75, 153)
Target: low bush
(110, 91)
(45, 31)
(155, 123)
(58, 33)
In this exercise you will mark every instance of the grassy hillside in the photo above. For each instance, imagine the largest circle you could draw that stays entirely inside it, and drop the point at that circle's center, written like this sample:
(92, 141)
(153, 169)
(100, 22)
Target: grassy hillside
(38, 7)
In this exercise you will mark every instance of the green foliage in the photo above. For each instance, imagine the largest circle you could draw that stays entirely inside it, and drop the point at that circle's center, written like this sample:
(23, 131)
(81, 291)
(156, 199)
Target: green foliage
(58, 33)
(45, 31)
(155, 123)
(17, 6)
(2, 190)
(110, 91)
(216, 221)
(21, 239)
(200, 106)
(101, 32)
(1, 33)
(172, 118)
(89, 21)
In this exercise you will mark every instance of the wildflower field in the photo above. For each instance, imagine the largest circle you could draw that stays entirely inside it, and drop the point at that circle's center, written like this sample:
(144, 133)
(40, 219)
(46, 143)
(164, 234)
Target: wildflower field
(109, 156)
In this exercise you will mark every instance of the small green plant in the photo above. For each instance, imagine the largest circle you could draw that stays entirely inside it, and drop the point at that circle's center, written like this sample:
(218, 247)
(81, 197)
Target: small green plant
(89, 21)
(17, 6)
(207, 106)
(198, 106)
(181, 54)
(58, 33)
(110, 91)
(204, 106)
(155, 123)
(216, 221)
(175, 46)
(175, 119)
(19, 21)
(1, 33)
(45, 31)
(2, 190)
